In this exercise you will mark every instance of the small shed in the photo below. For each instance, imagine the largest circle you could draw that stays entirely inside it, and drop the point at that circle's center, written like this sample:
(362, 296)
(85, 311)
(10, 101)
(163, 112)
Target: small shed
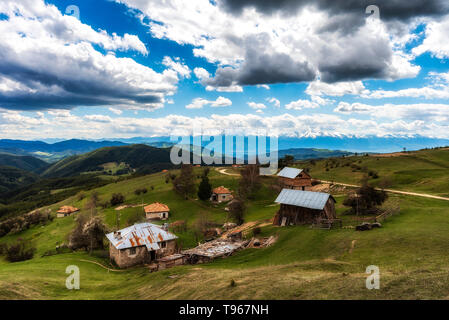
(304, 207)
(221, 194)
(294, 178)
(65, 211)
(139, 244)
(156, 211)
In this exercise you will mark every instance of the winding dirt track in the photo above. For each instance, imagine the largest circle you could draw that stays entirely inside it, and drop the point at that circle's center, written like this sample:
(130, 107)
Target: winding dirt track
(423, 195)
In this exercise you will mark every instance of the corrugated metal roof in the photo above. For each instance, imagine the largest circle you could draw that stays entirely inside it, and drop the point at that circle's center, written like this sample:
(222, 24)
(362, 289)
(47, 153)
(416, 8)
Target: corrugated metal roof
(142, 234)
(306, 199)
(288, 172)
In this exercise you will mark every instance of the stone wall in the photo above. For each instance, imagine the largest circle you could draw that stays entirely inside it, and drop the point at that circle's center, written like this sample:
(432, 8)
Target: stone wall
(124, 259)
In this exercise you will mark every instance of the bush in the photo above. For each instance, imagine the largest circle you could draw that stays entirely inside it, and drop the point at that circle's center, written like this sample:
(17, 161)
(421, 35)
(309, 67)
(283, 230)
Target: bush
(20, 251)
(205, 189)
(117, 198)
(237, 211)
(140, 191)
(257, 231)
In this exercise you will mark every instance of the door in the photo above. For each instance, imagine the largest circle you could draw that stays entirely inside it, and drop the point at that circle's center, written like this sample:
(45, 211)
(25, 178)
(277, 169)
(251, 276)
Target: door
(153, 255)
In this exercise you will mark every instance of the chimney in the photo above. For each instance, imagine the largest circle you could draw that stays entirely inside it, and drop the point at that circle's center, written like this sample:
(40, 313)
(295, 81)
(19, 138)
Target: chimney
(118, 235)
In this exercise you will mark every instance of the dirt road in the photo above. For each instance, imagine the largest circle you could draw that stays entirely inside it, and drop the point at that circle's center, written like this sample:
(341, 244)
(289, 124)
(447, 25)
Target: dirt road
(223, 171)
(424, 195)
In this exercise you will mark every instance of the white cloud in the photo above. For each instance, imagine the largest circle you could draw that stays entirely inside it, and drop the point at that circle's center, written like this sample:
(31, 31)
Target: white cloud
(199, 103)
(256, 106)
(436, 39)
(56, 65)
(179, 67)
(116, 111)
(256, 48)
(301, 104)
(319, 88)
(17, 125)
(415, 112)
(275, 102)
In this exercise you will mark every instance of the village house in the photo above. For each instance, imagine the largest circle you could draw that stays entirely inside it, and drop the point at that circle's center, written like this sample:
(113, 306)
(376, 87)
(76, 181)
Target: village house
(304, 207)
(65, 211)
(293, 178)
(221, 194)
(156, 211)
(140, 244)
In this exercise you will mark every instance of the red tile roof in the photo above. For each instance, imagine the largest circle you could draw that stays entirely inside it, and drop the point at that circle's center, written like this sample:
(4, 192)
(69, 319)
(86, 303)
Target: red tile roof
(156, 207)
(221, 190)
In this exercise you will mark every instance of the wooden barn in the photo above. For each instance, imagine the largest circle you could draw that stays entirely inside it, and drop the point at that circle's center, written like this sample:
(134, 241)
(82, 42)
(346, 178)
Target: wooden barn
(304, 207)
(293, 178)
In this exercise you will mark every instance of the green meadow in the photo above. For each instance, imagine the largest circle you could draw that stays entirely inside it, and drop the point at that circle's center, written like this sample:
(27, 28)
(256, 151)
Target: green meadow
(411, 249)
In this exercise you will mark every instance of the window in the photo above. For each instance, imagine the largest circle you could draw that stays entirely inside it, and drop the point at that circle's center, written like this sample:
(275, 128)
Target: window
(163, 244)
(132, 251)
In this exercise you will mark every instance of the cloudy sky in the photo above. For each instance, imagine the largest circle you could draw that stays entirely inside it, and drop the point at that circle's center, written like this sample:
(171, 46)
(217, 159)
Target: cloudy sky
(126, 68)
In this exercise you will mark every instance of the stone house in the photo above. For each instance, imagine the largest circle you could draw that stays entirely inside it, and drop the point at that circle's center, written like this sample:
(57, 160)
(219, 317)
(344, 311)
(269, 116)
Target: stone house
(65, 211)
(156, 211)
(221, 194)
(141, 243)
(294, 178)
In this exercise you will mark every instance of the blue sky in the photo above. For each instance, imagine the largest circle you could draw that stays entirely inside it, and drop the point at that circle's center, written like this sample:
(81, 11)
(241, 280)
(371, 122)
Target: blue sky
(295, 68)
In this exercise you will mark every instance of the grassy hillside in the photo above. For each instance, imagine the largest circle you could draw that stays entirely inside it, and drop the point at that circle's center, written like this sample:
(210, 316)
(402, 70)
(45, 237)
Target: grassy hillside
(410, 249)
(141, 157)
(425, 171)
(26, 163)
(12, 178)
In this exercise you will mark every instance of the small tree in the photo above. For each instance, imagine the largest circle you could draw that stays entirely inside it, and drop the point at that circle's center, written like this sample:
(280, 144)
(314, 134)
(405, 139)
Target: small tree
(249, 181)
(88, 233)
(19, 251)
(365, 199)
(184, 184)
(117, 198)
(286, 161)
(237, 210)
(204, 189)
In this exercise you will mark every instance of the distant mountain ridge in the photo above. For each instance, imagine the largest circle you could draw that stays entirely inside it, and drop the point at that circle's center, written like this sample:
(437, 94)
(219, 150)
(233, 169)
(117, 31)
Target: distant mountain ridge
(312, 153)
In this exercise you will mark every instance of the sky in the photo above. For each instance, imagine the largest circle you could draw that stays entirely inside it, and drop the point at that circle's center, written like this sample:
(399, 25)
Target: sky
(141, 68)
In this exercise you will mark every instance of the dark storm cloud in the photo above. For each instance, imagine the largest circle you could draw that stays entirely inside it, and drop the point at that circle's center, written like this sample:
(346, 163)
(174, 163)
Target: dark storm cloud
(389, 9)
(262, 68)
(47, 90)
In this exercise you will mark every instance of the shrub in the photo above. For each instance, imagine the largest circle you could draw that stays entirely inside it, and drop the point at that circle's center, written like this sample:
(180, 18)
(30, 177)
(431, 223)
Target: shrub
(117, 198)
(256, 231)
(140, 191)
(205, 189)
(88, 234)
(237, 211)
(20, 251)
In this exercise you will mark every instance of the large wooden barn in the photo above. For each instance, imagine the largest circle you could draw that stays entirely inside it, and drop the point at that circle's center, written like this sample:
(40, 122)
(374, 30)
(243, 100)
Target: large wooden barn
(304, 207)
(294, 178)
